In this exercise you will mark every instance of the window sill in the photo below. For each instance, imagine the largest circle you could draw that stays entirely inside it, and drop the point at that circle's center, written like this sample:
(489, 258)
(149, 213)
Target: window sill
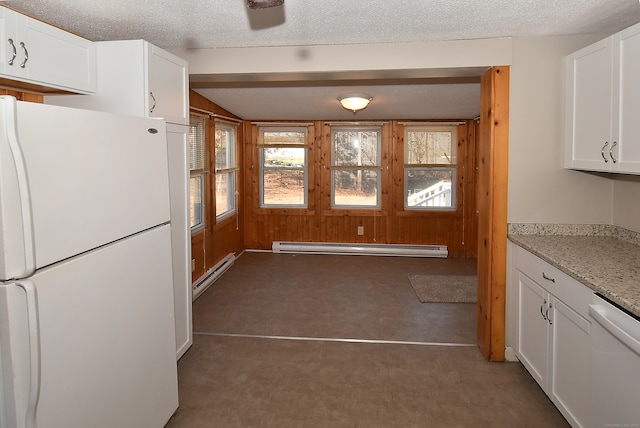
(427, 213)
(284, 211)
(356, 212)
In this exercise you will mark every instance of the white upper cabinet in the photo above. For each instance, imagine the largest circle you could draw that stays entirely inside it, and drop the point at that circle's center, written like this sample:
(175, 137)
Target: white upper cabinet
(627, 151)
(137, 78)
(602, 101)
(588, 116)
(37, 53)
(168, 86)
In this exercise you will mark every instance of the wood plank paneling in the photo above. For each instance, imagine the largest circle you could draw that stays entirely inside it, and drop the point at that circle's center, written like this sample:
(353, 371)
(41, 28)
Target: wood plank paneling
(492, 211)
(219, 238)
(389, 224)
(23, 96)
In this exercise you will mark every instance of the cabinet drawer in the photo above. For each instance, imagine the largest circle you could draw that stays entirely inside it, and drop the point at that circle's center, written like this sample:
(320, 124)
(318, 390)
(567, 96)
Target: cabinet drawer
(570, 291)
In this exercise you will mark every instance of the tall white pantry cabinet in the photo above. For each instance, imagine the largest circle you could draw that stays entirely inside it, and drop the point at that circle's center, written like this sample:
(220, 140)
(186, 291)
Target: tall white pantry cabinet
(137, 78)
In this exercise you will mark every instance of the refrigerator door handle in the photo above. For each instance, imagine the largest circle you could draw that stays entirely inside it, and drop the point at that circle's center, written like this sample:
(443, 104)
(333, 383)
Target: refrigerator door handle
(19, 196)
(34, 351)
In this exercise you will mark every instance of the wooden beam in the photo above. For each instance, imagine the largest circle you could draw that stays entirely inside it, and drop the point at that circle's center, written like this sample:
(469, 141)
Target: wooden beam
(492, 211)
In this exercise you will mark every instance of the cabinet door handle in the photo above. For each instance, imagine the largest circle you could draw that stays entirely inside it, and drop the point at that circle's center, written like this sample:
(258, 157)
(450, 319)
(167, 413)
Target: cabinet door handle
(615, 143)
(153, 107)
(548, 278)
(606, 143)
(26, 55)
(547, 314)
(542, 309)
(13, 46)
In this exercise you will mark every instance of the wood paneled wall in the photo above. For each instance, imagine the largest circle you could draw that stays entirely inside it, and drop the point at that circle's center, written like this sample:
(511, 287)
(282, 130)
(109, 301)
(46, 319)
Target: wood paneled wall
(389, 225)
(218, 239)
(22, 96)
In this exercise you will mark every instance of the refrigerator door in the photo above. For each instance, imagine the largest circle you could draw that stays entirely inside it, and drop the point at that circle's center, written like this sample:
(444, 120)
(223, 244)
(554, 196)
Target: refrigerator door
(86, 179)
(106, 344)
(19, 355)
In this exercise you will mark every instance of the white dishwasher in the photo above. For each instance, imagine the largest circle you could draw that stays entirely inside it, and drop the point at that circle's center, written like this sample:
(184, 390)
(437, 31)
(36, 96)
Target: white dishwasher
(615, 365)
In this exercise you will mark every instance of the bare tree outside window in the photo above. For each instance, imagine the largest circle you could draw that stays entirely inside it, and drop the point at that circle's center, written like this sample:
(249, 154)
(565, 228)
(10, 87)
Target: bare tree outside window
(430, 167)
(355, 164)
(283, 154)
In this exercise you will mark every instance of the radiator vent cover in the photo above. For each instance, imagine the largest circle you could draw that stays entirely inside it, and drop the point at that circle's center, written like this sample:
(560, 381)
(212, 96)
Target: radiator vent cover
(361, 249)
(212, 275)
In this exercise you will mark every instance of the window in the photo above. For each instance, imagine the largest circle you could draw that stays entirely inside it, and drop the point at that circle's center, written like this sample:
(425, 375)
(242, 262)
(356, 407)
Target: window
(283, 167)
(198, 168)
(355, 167)
(430, 167)
(226, 169)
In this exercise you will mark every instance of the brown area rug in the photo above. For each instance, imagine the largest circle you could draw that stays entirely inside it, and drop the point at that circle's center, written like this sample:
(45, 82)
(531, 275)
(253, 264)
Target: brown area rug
(445, 288)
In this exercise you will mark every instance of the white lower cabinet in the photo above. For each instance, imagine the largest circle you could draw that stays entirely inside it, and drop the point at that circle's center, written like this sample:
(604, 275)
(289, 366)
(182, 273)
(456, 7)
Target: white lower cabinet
(553, 341)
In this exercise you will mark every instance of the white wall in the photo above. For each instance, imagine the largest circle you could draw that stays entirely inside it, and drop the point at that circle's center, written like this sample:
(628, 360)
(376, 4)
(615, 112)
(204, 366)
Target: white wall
(626, 203)
(540, 190)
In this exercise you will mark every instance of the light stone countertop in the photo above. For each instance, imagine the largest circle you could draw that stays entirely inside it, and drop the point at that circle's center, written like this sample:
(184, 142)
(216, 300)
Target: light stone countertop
(605, 260)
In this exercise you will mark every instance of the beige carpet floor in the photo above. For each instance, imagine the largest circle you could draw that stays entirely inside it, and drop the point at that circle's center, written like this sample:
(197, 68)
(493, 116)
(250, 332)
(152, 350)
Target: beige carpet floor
(445, 288)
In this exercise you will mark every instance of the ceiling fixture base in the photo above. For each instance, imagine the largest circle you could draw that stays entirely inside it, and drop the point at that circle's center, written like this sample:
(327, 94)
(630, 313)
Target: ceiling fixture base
(263, 4)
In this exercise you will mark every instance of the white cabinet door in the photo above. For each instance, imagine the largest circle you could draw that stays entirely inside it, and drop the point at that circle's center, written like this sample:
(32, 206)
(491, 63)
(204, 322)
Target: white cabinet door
(626, 154)
(35, 52)
(168, 86)
(589, 108)
(553, 334)
(533, 329)
(570, 385)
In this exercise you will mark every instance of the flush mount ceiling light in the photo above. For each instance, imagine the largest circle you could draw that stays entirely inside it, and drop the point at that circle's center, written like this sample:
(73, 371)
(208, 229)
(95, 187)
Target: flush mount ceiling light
(262, 4)
(354, 102)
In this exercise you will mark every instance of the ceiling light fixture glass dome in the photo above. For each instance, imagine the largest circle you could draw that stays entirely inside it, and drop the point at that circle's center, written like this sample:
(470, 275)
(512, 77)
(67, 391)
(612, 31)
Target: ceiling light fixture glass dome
(355, 102)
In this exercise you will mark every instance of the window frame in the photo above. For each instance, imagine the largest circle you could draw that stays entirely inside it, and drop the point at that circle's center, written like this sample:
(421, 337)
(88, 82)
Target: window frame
(424, 166)
(201, 161)
(262, 146)
(345, 167)
(231, 169)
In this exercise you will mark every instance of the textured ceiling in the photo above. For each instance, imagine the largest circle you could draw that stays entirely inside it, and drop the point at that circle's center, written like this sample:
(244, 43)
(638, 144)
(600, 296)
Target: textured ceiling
(229, 23)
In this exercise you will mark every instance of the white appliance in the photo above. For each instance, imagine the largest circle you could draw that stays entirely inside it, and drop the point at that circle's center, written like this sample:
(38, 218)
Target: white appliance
(87, 337)
(615, 364)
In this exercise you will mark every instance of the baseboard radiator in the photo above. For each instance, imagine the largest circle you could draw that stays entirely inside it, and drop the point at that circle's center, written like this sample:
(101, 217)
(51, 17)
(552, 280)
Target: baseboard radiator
(212, 275)
(361, 249)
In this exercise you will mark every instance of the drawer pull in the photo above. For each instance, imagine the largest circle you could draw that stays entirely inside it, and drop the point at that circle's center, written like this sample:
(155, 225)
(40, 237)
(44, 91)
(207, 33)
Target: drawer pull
(547, 314)
(615, 143)
(548, 278)
(606, 143)
(15, 52)
(153, 107)
(26, 55)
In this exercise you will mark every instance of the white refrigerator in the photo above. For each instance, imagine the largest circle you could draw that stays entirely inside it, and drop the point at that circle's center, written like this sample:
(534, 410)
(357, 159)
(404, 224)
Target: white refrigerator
(87, 335)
